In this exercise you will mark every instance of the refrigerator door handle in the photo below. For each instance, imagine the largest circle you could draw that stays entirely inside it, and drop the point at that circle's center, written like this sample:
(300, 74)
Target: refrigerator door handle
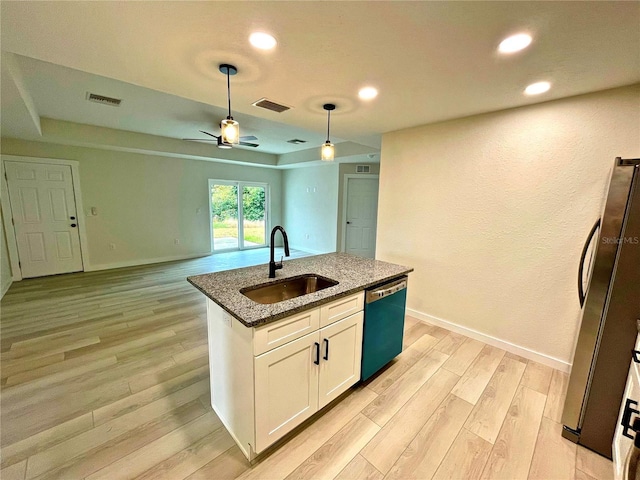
(581, 293)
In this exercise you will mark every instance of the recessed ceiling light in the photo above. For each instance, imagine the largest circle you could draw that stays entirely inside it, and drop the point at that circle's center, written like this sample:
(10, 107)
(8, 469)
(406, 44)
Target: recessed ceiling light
(368, 93)
(262, 40)
(515, 43)
(537, 88)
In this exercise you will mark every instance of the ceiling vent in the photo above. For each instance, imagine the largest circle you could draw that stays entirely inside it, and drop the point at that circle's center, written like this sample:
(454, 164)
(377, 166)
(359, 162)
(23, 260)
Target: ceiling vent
(94, 97)
(269, 105)
(296, 141)
(363, 168)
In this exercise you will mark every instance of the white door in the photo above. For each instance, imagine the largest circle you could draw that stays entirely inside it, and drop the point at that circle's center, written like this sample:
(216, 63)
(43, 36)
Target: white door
(286, 388)
(45, 218)
(341, 354)
(362, 211)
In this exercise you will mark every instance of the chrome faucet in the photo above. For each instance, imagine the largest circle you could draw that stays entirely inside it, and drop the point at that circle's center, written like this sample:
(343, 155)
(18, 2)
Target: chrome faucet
(273, 266)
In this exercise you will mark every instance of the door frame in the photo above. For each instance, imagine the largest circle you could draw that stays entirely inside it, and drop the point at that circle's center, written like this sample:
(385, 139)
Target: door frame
(7, 213)
(345, 199)
(267, 211)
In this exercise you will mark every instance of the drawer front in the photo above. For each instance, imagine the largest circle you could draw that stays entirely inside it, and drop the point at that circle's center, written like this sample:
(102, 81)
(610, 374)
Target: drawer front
(342, 308)
(286, 330)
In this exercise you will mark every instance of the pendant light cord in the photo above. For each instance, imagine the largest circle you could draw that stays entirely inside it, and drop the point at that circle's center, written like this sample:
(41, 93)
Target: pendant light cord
(229, 93)
(328, 123)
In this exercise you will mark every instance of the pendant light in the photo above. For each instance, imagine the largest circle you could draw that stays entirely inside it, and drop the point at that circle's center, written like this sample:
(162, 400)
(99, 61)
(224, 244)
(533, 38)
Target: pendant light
(327, 151)
(229, 128)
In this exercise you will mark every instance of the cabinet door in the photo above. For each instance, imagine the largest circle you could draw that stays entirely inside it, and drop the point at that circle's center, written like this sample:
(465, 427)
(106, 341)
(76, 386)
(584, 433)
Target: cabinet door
(286, 388)
(340, 357)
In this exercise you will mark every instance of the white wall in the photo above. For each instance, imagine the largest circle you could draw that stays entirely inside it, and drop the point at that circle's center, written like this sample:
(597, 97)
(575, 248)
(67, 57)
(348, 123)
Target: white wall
(145, 202)
(310, 207)
(492, 212)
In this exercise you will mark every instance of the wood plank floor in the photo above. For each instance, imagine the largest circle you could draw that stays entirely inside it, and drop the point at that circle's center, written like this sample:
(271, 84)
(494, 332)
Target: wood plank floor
(104, 375)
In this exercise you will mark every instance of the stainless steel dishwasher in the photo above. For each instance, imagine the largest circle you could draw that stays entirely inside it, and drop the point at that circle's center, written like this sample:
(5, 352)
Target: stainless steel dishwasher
(383, 324)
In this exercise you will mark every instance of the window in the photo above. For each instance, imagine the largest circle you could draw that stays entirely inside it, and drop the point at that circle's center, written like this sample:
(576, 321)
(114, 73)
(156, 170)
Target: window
(239, 213)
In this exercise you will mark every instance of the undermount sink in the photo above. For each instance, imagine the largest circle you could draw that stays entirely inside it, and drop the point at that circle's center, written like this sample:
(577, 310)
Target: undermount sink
(288, 288)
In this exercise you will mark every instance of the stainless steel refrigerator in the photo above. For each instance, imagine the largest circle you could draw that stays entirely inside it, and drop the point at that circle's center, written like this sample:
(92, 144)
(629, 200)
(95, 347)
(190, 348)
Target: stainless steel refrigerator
(609, 293)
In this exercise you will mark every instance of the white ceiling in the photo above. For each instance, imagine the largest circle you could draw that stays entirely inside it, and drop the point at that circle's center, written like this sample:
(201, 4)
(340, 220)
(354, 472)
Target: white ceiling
(431, 61)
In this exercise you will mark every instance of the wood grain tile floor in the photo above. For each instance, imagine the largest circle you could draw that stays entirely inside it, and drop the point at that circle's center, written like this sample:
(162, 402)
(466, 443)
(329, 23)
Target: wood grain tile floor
(104, 375)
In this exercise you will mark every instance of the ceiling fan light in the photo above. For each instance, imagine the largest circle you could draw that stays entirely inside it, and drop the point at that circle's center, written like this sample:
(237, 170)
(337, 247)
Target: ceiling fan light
(229, 132)
(327, 152)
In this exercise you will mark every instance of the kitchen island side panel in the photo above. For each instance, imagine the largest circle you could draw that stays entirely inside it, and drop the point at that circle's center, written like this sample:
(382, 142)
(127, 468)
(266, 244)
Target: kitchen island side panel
(231, 371)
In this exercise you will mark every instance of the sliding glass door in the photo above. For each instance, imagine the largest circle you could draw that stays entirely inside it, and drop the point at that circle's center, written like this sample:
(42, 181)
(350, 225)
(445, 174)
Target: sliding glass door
(239, 213)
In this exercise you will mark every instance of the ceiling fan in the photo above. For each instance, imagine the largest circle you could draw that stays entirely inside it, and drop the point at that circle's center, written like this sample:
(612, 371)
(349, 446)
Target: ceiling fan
(229, 128)
(244, 141)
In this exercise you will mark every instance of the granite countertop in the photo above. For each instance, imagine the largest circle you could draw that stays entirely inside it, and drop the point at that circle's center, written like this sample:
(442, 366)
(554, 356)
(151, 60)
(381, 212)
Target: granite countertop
(353, 273)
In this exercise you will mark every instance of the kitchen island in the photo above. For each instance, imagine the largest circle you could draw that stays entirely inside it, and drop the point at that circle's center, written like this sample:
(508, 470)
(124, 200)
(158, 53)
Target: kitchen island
(273, 365)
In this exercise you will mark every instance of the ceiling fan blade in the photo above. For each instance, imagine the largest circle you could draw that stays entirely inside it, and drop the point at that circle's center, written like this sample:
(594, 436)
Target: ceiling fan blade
(210, 134)
(200, 140)
(246, 138)
(246, 144)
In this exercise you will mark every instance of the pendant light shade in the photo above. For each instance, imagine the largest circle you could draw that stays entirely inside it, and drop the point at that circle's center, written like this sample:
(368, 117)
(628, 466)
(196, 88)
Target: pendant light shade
(229, 128)
(327, 151)
(230, 131)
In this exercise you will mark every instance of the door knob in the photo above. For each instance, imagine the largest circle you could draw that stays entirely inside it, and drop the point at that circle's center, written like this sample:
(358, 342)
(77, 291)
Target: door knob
(73, 225)
(348, 223)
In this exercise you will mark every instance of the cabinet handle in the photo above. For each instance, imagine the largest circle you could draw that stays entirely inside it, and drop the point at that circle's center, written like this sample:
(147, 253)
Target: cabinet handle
(317, 360)
(636, 356)
(326, 350)
(626, 417)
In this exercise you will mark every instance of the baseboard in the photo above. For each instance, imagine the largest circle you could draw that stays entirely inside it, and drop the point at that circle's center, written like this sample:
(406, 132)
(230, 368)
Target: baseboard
(5, 286)
(308, 250)
(496, 342)
(146, 261)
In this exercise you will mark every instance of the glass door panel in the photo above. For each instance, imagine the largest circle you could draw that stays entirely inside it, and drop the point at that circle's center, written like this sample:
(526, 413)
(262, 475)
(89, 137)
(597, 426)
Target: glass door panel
(253, 216)
(224, 216)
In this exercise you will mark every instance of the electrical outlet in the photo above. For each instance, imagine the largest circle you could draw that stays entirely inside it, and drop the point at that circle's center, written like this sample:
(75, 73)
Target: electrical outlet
(112, 246)
(306, 235)
(176, 241)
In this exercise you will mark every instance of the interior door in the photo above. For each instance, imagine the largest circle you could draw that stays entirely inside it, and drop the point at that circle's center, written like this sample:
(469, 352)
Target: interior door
(286, 380)
(341, 349)
(362, 211)
(46, 221)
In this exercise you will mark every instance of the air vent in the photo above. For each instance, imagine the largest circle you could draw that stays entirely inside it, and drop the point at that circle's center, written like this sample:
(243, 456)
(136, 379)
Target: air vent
(296, 141)
(269, 105)
(363, 168)
(94, 97)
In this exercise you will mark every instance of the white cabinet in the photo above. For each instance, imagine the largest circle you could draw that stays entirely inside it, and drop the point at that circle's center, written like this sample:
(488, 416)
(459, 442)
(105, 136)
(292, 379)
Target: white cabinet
(623, 444)
(341, 353)
(286, 388)
(267, 380)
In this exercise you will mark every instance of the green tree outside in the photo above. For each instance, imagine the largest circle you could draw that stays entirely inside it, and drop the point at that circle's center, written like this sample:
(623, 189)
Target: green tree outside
(224, 212)
(253, 203)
